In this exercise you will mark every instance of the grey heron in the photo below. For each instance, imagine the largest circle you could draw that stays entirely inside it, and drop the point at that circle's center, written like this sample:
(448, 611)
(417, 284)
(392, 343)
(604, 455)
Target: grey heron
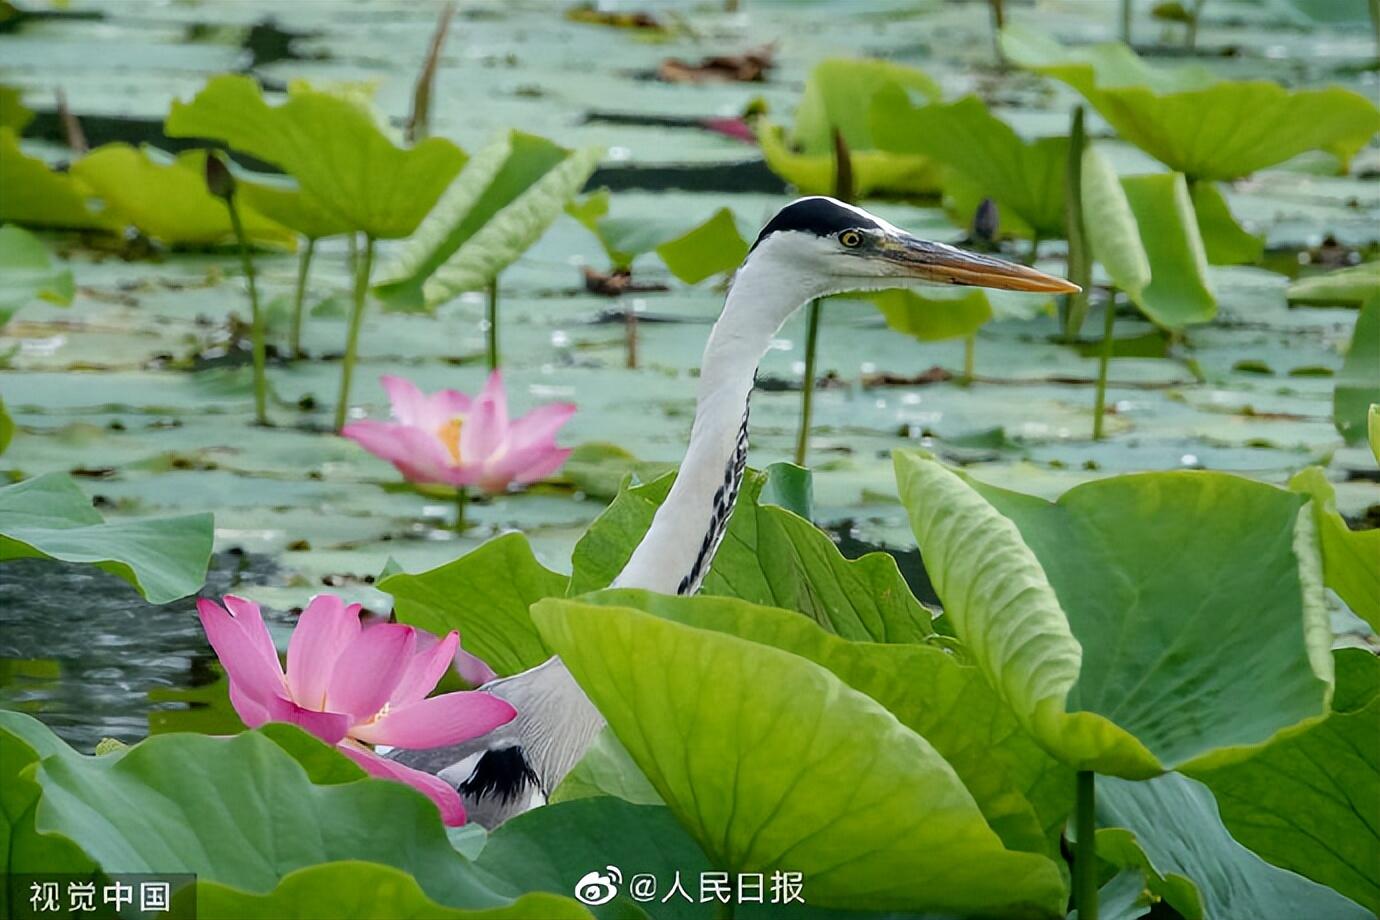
(811, 248)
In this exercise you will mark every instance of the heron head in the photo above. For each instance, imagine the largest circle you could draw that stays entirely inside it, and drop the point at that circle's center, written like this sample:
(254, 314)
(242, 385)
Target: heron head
(844, 248)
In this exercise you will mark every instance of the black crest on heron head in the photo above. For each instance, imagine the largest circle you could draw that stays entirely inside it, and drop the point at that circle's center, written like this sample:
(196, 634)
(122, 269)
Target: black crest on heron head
(820, 216)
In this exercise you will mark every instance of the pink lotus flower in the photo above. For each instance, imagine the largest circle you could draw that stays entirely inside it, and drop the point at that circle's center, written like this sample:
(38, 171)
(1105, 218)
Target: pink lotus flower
(352, 686)
(451, 439)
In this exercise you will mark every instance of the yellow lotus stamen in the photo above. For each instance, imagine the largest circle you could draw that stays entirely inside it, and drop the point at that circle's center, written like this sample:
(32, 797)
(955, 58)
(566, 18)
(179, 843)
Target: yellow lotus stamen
(449, 433)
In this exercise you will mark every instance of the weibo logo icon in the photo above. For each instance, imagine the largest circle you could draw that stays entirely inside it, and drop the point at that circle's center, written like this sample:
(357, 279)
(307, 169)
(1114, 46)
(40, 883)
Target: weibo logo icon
(595, 887)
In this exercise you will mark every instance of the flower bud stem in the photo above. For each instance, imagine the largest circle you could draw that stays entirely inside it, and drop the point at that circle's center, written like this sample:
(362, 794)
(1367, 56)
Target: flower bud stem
(260, 351)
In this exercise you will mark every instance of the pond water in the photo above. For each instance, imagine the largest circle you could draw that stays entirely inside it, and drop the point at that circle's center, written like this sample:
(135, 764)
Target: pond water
(133, 384)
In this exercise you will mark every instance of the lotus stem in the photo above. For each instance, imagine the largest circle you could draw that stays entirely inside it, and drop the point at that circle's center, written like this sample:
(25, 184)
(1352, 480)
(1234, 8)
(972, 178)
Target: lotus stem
(1074, 308)
(300, 295)
(998, 23)
(462, 497)
(1034, 250)
(1103, 361)
(807, 386)
(1375, 24)
(970, 357)
(493, 324)
(260, 350)
(1085, 847)
(364, 263)
(1126, 21)
(630, 336)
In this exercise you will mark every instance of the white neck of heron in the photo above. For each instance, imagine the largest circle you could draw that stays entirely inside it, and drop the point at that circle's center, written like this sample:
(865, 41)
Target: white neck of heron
(675, 554)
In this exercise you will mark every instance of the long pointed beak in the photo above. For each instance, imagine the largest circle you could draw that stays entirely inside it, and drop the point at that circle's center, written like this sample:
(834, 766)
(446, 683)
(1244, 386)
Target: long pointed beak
(943, 264)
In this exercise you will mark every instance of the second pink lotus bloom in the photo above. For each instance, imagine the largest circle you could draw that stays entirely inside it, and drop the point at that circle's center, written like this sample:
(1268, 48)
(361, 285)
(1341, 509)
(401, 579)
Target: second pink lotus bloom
(352, 686)
(448, 438)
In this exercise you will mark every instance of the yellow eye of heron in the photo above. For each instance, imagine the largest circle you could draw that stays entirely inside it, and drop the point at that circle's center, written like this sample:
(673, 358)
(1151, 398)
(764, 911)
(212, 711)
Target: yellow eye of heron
(851, 238)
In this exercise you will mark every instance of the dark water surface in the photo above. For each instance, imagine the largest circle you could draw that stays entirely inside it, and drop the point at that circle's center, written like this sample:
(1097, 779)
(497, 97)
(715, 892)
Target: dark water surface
(81, 650)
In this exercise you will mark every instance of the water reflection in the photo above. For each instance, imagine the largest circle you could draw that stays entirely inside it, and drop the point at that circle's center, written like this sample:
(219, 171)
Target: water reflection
(81, 650)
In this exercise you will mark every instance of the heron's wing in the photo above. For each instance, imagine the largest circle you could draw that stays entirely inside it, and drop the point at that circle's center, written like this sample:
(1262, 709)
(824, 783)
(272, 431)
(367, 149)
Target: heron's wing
(554, 726)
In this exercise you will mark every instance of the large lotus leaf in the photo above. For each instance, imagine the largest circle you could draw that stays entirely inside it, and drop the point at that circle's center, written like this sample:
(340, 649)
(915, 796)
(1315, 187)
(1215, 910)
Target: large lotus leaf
(1224, 240)
(1170, 825)
(49, 517)
(28, 272)
(1026, 178)
(331, 146)
(1023, 792)
(36, 196)
(25, 741)
(838, 95)
(485, 595)
(169, 201)
(1309, 803)
(502, 203)
(354, 890)
(1358, 385)
(1178, 292)
(935, 314)
(285, 203)
(1114, 235)
(1195, 125)
(1351, 558)
(1348, 287)
(14, 113)
(6, 427)
(550, 849)
(712, 248)
(606, 769)
(874, 171)
(1113, 620)
(768, 556)
(771, 762)
(154, 809)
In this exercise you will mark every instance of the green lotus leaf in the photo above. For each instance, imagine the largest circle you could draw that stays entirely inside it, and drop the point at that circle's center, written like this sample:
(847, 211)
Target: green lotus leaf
(36, 196)
(771, 762)
(169, 201)
(768, 556)
(502, 203)
(1190, 121)
(551, 848)
(285, 203)
(874, 171)
(606, 769)
(354, 890)
(1358, 384)
(14, 114)
(1111, 621)
(1024, 178)
(1178, 292)
(25, 741)
(485, 594)
(1308, 803)
(935, 315)
(333, 148)
(49, 517)
(1224, 240)
(1349, 556)
(147, 811)
(1117, 244)
(6, 427)
(838, 95)
(1170, 827)
(1373, 417)
(712, 248)
(592, 213)
(1348, 287)
(28, 272)
(1024, 793)
(599, 469)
